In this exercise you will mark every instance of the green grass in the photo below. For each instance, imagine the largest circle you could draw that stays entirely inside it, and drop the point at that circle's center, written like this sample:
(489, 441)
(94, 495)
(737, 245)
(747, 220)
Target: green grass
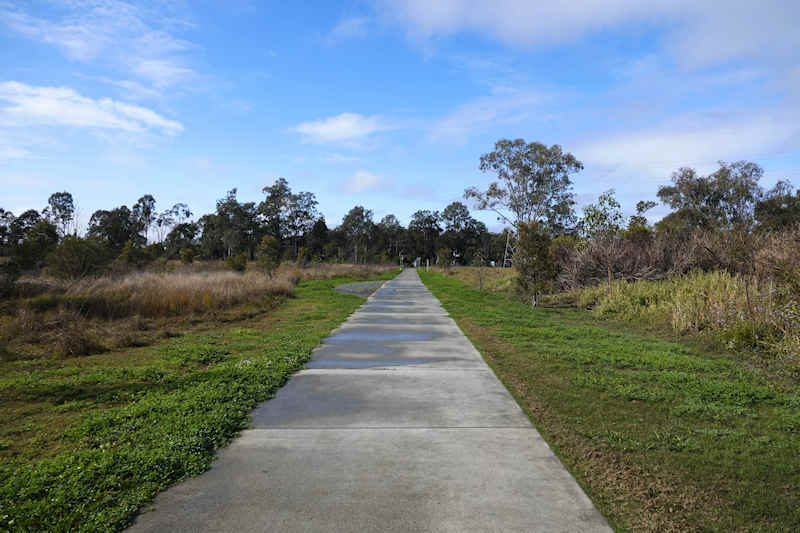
(662, 435)
(86, 442)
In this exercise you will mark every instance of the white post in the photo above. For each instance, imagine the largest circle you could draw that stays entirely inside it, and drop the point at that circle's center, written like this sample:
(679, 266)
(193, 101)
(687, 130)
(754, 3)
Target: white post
(427, 265)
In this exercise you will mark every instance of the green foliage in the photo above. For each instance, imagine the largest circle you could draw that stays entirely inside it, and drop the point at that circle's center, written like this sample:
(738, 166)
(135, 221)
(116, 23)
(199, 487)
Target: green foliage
(134, 255)
(533, 184)
(533, 261)
(444, 257)
(356, 226)
(724, 307)
(76, 257)
(603, 218)
(186, 255)
(657, 414)
(778, 209)
(302, 256)
(268, 257)
(61, 211)
(9, 273)
(424, 230)
(237, 263)
(116, 227)
(724, 199)
(38, 242)
(143, 427)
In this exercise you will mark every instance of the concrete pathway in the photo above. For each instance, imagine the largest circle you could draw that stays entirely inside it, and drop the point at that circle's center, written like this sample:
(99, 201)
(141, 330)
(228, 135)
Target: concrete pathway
(397, 425)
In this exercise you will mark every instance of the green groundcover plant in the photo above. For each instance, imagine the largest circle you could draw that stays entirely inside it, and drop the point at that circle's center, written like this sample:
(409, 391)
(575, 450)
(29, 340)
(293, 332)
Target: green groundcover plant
(146, 427)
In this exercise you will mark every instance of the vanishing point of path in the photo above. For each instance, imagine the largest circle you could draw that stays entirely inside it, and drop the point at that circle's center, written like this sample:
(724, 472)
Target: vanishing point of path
(397, 424)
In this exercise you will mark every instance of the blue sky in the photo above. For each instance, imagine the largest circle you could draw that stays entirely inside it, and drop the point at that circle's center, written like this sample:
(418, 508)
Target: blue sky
(387, 104)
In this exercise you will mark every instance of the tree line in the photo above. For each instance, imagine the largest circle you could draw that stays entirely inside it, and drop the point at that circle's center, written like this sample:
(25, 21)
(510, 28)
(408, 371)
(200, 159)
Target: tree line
(285, 225)
(533, 195)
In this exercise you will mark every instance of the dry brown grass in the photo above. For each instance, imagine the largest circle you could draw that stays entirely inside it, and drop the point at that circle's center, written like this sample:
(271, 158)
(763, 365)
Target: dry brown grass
(151, 295)
(297, 273)
(70, 318)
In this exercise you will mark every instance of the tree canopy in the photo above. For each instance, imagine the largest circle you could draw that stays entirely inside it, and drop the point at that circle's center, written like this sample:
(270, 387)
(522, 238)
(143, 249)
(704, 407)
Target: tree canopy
(533, 184)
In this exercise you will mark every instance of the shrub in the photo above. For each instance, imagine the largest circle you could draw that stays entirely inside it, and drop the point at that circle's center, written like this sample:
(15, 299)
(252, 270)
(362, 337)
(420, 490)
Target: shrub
(444, 257)
(268, 254)
(77, 257)
(134, 255)
(186, 255)
(532, 261)
(729, 308)
(237, 263)
(9, 273)
(73, 337)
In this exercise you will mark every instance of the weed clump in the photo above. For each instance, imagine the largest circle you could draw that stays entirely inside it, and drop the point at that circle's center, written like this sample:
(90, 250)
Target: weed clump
(74, 338)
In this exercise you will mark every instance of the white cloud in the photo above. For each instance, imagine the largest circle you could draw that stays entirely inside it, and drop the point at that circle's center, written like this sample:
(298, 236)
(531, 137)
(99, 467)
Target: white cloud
(364, 181)
(349, 28)
(508, 107)
(702, 32)
(134, 37)
(693, 141)
(348, 129)
(8, 151)
(62, 106)
(162, 73)
(340, 158)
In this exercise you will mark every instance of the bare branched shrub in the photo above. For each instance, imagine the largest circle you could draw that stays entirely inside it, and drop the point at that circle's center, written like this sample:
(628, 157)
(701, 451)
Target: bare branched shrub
(74, 336)
(742, 287)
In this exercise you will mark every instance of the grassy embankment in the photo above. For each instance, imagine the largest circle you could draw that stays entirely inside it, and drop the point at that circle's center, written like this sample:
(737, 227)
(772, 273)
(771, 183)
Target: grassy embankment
(86, 441)
(664, 435)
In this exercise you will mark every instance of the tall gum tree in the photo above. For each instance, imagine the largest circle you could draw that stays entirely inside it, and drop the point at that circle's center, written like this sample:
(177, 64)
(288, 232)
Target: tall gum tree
(533, 184)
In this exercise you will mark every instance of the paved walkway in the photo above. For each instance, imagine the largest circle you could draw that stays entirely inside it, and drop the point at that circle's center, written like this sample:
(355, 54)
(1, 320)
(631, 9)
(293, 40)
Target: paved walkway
(397, 425)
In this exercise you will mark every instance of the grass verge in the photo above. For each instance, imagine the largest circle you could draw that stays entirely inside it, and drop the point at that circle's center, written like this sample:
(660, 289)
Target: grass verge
(85, 442)
(662, 435)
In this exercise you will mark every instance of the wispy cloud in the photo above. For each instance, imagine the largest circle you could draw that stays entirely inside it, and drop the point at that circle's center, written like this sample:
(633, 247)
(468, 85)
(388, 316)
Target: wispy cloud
(162, 73)
(506, 107)
(62, 106)
(136, 38)
(700, 33)
(349, 129)
(364, 181)
(13, 152)
(696, 141)
(349, 28)
(340, 158)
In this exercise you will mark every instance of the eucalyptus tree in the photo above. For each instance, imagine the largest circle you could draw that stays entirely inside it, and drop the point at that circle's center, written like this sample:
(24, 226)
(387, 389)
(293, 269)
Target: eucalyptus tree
(533, 184)
(274, 209)
(779, 208)
(318, 238)
(238, 225)
(116, 227)
(356, 226)
(6, 218)
(603, 218)
(300, 217)
(61, 211)
(424, 228)
(390, 233)
(462, 233)
(169, 218)
(724, 199)
(144, 212)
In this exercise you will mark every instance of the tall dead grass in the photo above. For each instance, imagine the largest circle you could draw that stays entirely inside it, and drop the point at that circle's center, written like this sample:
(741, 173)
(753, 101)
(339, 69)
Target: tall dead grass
(297, 273)
(730, 308)
(73, 316)
(152, 295)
